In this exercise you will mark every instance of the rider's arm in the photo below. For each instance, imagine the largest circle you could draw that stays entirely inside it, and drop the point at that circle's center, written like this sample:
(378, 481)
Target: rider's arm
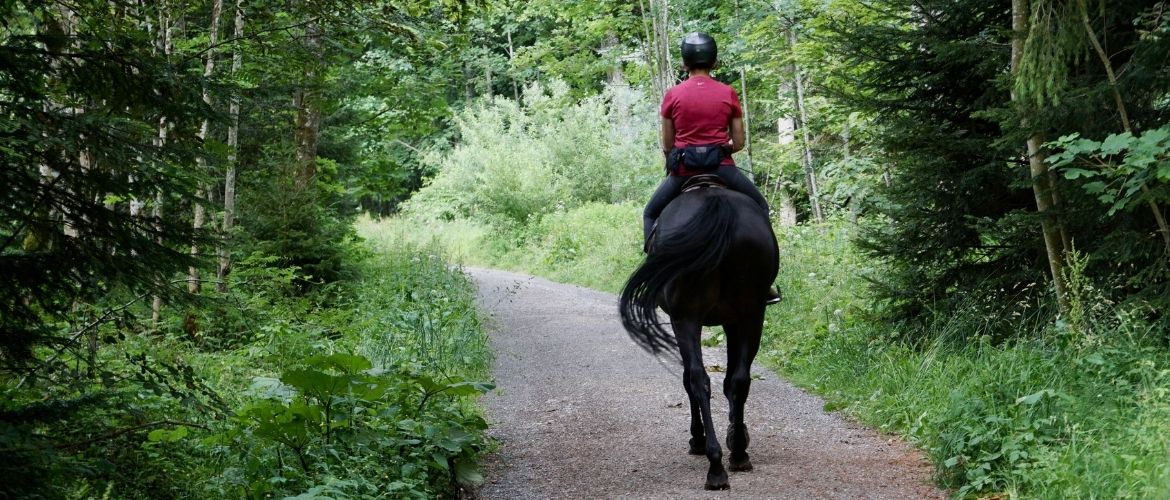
(667, 135)
(737, 134)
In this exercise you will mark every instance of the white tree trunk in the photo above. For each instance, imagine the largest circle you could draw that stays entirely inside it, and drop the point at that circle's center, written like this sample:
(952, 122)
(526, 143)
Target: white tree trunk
(233, 142)
(193, 280)
(163, 44)
(807, 157)
(1039, 169)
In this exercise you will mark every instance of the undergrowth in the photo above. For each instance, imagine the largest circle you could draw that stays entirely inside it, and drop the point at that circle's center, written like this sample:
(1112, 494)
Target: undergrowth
(361, 389)
(1070, 409)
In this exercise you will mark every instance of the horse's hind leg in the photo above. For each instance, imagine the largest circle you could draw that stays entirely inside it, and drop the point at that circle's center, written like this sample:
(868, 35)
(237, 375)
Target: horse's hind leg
(743, 342)
(698, 386)
(698, 442)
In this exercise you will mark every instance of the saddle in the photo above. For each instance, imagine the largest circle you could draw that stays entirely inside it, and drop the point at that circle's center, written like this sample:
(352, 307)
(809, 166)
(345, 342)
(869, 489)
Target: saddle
(703, 181)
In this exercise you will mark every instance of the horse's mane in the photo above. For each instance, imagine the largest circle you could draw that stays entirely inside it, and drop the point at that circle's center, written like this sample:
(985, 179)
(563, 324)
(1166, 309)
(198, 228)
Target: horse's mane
(693, 249)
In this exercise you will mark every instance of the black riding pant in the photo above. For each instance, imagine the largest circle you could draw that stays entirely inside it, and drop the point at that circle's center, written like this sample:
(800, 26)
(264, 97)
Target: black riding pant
(671, 185)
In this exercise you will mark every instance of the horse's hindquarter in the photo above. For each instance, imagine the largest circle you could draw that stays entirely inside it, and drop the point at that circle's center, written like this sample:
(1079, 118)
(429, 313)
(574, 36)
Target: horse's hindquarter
(748, 267)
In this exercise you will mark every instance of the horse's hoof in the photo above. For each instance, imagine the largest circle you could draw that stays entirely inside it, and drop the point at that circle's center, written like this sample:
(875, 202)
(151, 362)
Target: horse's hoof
(736, 464)
(698, 446)
(717, 479)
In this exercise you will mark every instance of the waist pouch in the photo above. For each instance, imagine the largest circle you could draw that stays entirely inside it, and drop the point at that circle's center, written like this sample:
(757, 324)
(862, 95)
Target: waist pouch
(704, 158)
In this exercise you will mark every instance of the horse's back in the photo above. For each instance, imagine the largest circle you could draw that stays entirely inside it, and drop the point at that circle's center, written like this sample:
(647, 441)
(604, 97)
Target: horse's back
(752, 234)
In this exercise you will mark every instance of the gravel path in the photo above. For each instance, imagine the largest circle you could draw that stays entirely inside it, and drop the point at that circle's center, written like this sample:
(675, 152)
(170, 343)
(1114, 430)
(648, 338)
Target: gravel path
(581, 412)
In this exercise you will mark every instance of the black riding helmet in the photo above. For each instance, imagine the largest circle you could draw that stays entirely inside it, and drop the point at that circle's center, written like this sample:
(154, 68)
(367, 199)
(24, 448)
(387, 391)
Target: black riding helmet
(699, 51)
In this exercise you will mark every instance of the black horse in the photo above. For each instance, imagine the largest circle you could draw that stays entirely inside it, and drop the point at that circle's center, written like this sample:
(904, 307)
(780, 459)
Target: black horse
(711, 263)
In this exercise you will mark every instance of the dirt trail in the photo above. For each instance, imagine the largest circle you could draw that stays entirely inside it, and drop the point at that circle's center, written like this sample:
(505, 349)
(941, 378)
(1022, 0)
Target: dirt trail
(581, 412)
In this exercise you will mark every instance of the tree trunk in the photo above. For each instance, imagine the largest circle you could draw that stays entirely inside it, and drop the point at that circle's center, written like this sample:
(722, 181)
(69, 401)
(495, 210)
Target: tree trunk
(806, 158)
(847, 157)
(489, 79)
(1049, 224)
(785, 134)
(233, 143)
(163, 44)
(657, 33)
(468, 88)
(308, 122)
(747, 122)
(512, 67)
(193, 280)
(786, 215)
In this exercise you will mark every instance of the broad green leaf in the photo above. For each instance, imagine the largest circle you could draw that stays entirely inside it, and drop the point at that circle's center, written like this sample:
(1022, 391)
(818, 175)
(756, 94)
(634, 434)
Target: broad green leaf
(347, 363)
(427, 383)
(1116, 143)
(440, 460)
(370, 388)
(167, 435)
(1156, 136)
(1076, 173)
(1094, 187)
(466, 473)
(315, 383)
(469, 388)
(1034, 398)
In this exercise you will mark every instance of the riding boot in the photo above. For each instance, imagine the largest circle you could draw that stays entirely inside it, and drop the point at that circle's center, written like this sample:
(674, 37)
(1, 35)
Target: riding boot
(773, 296)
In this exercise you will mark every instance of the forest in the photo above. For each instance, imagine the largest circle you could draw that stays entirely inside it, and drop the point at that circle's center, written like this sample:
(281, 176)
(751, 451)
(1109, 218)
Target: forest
(231, 230)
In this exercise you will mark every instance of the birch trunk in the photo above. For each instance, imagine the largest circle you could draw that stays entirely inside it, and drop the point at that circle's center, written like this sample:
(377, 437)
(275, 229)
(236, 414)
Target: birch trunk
(657, 34)
(806, 139)
(747, 123)
(233, 143)
(1041, 188)
(163, 43)
(512, 68)
(785, 135)
(193, 280)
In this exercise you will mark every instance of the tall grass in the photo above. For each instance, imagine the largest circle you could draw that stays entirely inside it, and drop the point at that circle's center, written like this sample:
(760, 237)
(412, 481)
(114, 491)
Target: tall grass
(1057, 411)
(416, 310)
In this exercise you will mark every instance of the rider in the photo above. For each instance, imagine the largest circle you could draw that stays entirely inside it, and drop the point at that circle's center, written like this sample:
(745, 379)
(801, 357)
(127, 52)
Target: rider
(702, 125)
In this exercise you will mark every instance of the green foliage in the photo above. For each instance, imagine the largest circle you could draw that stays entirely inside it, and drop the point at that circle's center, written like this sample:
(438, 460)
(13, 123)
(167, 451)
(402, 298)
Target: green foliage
(279, 406)
(516, 163)
(957, 214)
(583, 43)
(80, 105)
(339, 415)
(1048, 413)
(1117, 168)
(306, 230)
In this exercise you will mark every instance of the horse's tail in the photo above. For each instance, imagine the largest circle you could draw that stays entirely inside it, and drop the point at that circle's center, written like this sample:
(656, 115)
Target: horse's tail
(692, 250)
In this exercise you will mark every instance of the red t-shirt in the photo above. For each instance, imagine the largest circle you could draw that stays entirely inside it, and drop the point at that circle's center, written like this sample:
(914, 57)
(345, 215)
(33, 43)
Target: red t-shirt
(702, 109)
